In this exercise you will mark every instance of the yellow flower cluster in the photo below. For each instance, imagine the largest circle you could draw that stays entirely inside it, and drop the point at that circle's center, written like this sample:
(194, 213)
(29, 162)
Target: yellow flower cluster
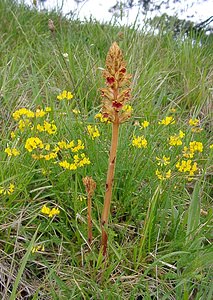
(101, 118)
(50, 128)
(12, 135)
(195, 125)
(194, 146)
(163, 175)
(176, 140)
(145, 124)
(22, 124)
(29, 113)
(24, 117)
(12, 151)
(38, 248)
(33, 143)
(76, 111)
(65, 95)
(49, 156)
(167, 121)
(93, 131)
(7, 190)
(71, 145)
(77, 162)
(39, 113)
(127, 108)
(194, 122)
(139, 142)
(50, 212)
(187, 166)
(23, 112)
(163, 161)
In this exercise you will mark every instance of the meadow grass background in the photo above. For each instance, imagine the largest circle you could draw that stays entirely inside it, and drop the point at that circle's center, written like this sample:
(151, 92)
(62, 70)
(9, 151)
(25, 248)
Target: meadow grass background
(160, 230)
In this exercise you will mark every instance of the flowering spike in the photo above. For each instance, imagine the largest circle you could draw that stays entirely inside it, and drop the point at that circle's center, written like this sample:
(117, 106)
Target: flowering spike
(117, 92)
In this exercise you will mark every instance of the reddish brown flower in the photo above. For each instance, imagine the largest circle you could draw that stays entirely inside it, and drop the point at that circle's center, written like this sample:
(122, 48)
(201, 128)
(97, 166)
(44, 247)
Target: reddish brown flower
(116, 95)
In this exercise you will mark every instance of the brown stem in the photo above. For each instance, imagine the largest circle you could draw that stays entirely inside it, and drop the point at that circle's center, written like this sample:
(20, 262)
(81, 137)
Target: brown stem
(90, 186)
(109, 183)
(89, 219)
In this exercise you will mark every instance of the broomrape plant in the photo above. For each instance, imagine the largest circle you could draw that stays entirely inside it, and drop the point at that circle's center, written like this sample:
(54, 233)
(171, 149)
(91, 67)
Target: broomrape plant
(36, 134)
(115, 97)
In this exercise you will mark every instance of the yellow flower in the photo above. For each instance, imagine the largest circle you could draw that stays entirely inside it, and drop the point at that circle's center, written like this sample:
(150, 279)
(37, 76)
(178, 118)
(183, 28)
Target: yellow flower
(187, 153)
(62, 145)
(48, 109)
(163, 161)
(127, 108)
(12, 135)
(40, 128)
(33, 143)
(195, 125)
(93, 131)
(80, 146)
(194, 122)
(139, 142)
(187, 166)
(45, 210)
(45, 172)
(50, 128)
(12, 151)
(23, 112)
(211, 146)
(50, 156)
(54, 211)
(8, 189)
(163, 176)
(181, 134)
(197, 129)
(196, 146)
(40, 113)
(50, 212)
(175, 140)
(167, 121)
(84, 160)
(65, 164)
(24, 123)
(101, 118)
(38, 248)
(76, 111)
(37, 156)
(65, 95)
(145, 124)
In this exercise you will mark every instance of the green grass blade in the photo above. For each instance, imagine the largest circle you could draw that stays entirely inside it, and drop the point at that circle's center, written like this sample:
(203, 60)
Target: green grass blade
(193, 213)
(21, 270)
